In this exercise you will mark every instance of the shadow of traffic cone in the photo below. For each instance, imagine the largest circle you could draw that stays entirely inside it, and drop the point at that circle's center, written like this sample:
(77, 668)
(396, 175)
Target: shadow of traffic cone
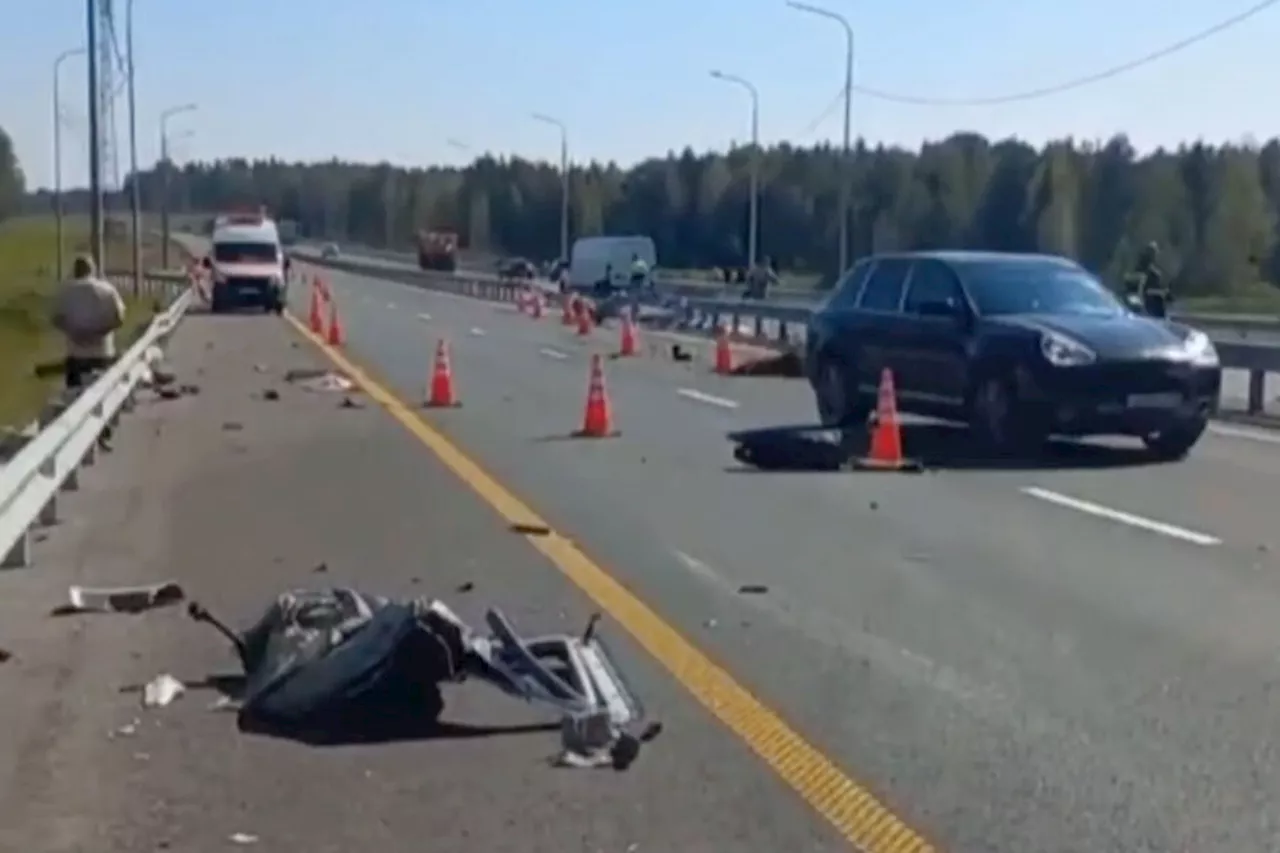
(315, 319)
(336, 337)
(597, 420)
(885, 453)
(724, 353)
(440, 393)
(629, 345)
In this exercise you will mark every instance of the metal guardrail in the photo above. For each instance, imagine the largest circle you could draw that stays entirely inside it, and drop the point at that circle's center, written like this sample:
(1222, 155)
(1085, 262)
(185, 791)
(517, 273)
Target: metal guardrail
(766, 323)
(50, 462)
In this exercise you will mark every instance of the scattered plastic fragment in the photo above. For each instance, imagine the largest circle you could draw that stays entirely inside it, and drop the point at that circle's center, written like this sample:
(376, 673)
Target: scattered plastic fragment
(121, 599)
(161, 691)
(243, 838)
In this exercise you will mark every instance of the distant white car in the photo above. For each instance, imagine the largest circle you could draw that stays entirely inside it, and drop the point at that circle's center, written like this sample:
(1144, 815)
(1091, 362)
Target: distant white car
(330, 250)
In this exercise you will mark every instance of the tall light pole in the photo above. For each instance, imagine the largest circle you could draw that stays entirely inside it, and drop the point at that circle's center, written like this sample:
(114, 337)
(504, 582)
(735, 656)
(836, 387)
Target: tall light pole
(135, 191)
(848, 102)
(164, 177)
(57, 154)
(564, 180)
(95, 137)
(753, 218)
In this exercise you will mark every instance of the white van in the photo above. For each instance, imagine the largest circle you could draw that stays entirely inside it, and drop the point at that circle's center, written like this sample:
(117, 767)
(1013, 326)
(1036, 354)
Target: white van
(247, 264)
(591, 256)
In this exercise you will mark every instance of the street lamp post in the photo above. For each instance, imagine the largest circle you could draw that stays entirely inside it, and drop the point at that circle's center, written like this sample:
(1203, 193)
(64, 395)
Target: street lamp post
(848, 100)
(57, 154)
(135, 191)
(564, 180)
(164, 177)
(753, 218)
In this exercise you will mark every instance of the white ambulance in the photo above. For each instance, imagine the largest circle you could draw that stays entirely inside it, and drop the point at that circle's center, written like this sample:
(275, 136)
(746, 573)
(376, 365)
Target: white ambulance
(247, 264)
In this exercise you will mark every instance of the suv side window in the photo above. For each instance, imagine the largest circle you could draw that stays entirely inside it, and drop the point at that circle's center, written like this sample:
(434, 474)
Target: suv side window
(845, 293)
(931, 281)
(884, 288)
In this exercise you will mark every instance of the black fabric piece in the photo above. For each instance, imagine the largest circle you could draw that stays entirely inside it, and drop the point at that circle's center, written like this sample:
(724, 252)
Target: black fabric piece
(335, 658)
(790, 448)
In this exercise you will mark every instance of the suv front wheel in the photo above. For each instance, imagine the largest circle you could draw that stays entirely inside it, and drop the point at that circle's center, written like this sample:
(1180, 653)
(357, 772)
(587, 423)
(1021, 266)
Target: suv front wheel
(839, 403)
(1002, 423)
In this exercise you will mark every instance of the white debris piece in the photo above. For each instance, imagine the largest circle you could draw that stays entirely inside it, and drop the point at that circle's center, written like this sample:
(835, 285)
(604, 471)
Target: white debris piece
(161, 691)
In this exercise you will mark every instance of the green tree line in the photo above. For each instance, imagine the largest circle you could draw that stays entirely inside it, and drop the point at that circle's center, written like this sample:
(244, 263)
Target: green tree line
(1213, 210)
(12, 181)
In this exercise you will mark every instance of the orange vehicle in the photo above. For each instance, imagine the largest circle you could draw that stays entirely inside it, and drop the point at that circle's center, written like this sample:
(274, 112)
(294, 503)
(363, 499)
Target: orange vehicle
(438, 250)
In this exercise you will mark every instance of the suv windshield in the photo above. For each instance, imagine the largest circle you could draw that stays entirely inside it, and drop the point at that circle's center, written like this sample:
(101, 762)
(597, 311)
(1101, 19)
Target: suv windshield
(1030, 287)
(245, 253)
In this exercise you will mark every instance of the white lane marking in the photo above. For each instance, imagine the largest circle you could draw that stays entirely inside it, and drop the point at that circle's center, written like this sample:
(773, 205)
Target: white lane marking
(709, 399)
(391, 305)
(1243, 432)
(553, 353)
(1123, 517)
(477, 332)
(426, 318)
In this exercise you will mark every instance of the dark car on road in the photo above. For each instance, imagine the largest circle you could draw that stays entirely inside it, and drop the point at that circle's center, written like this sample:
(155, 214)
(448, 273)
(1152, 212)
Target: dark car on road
(517, 268)
(1020, 347)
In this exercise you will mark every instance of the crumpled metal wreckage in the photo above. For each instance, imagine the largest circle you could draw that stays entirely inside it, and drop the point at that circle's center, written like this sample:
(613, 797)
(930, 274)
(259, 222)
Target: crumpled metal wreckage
(336, 659)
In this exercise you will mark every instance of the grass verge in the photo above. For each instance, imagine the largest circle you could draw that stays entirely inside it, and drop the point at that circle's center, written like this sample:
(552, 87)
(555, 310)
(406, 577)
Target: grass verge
(28, 252)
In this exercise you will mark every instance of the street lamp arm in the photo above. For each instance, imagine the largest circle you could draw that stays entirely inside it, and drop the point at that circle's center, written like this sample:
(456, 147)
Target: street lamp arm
(825, 13)
(741, 81)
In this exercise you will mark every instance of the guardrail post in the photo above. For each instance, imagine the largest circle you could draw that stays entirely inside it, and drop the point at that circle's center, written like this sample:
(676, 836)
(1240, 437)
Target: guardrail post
(19, 555)
(1257, 391)
(49, 512)
(11, 443)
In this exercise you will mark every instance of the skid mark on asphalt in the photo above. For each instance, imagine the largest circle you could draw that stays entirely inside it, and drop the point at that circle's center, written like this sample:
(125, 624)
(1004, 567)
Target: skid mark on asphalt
(709, 399)
(1122, 517)
(845, 803)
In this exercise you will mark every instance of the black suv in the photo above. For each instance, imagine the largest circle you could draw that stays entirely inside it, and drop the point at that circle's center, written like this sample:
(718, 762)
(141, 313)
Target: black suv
(1018, 346)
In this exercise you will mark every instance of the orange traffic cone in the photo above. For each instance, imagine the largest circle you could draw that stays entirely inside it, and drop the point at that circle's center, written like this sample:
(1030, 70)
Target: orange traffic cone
(315, 319)
(440, 394)
(568, 309)
(336, 337)
(628, 345)
(584, 319)
(597, 421)
(535, 308)
(724, 353)
(885, 453)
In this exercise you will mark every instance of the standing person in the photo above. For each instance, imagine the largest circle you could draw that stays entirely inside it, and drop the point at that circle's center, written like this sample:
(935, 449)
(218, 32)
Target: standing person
(1147, 279)
(88, 311)
(760, 278)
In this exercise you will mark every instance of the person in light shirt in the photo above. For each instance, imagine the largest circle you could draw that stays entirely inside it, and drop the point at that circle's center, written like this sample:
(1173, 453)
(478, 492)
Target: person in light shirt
(88, 311)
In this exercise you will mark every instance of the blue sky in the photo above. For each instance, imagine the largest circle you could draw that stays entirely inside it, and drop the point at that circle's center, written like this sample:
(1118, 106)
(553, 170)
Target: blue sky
(395, 79)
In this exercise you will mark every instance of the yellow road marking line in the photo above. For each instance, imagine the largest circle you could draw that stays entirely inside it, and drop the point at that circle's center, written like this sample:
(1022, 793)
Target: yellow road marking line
(848, 806)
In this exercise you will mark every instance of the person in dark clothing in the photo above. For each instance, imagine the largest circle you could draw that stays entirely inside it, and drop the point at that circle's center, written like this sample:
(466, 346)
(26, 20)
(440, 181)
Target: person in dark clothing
(1147, 282)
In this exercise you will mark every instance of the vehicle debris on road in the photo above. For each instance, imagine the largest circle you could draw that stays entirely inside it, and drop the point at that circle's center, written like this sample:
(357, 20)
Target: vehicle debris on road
(161, 691)
(319, 380)
(326, 665)
(121, 599)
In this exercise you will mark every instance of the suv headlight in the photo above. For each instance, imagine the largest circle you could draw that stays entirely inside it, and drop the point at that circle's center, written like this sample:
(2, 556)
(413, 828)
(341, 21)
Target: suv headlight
(1200, 349)
(1062, 351)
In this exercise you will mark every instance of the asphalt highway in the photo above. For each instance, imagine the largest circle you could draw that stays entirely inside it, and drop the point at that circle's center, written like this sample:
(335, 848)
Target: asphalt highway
(1079, 656)
(239, 497)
